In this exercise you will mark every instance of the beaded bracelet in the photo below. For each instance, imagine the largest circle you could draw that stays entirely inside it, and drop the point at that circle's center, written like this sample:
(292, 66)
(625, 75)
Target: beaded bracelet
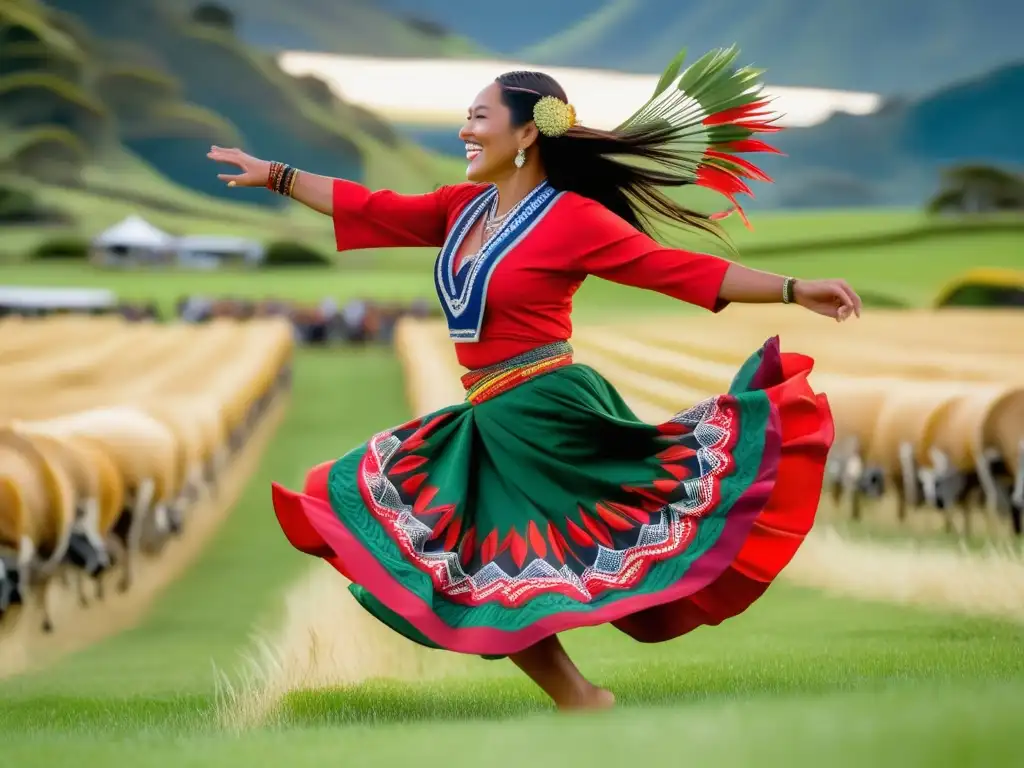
(286, 178)
(291, 182)
(281, 178)
(787, 290)
(274, 176)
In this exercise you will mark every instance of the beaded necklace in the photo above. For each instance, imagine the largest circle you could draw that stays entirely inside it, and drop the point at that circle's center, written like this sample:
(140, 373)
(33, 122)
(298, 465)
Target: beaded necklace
(492, 224)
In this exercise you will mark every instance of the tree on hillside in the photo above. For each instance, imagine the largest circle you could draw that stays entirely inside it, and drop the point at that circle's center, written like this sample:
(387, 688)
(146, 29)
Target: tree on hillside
(213, 15)
(17, 206)
(968, 189)
(426, 26)
(12, 32)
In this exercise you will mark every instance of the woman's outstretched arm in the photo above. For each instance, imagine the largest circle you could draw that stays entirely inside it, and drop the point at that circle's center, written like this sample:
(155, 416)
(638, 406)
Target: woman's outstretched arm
(313, 191)
(612, 249)
(743, 285)
(316, 192)
(362, 218)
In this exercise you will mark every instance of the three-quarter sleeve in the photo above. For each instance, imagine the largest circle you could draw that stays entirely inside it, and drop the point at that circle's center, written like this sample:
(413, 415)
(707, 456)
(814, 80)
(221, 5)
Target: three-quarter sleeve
(387, 219)
(612, 249)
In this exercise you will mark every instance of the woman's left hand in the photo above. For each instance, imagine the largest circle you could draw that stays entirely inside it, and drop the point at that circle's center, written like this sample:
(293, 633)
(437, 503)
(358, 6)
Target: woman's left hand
(253, 171)
(832, 298)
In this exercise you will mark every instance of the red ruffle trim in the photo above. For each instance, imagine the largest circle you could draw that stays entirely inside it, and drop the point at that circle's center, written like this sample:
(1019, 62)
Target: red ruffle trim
(780, 528)
(292, 517)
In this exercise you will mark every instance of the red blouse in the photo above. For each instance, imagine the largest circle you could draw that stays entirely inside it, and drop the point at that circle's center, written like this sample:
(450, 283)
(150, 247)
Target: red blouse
(529, 298)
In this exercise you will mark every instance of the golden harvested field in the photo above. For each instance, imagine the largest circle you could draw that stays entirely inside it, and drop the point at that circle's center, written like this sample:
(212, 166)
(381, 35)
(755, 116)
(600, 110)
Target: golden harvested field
(928, 405)
(120, 444)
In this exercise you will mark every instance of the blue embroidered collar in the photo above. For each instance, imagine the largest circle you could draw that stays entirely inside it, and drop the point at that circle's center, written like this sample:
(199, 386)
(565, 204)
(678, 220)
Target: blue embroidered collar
(463, 292)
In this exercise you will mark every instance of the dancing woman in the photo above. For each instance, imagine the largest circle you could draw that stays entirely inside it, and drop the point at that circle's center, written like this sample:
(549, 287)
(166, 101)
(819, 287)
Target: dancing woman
(542, 503)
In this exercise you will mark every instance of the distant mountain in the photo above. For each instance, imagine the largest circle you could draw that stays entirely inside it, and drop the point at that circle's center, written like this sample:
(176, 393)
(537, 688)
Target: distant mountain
(904, 47)
(338, 26)
(891, 157)
(894, 157)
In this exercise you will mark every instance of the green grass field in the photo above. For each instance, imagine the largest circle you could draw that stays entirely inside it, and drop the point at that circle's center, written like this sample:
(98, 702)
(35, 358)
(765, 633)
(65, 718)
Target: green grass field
(912, 271)
(800, 678)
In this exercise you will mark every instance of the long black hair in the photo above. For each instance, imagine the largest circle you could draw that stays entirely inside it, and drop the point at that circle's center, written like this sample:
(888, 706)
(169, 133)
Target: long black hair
(583, 160)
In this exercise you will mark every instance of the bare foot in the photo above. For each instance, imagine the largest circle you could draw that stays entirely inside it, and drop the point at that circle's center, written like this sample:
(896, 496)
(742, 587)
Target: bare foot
(548, 665)
(593, 698)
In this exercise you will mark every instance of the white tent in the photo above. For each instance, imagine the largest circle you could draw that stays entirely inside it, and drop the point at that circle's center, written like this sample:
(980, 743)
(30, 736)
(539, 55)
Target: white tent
(133, 239)
(212, 251)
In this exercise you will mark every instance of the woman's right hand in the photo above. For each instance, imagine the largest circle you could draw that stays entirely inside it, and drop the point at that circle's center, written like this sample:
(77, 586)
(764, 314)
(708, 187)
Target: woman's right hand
(255, 172)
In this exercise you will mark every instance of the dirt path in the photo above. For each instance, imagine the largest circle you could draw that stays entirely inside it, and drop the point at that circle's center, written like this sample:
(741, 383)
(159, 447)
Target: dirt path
(24, 646)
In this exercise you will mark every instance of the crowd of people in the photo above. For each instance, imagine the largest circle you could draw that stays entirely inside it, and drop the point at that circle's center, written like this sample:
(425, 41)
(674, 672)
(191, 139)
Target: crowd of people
(356, 321)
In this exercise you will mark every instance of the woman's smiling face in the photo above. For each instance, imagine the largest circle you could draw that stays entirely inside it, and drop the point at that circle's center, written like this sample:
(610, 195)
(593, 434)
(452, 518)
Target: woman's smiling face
(491, 140)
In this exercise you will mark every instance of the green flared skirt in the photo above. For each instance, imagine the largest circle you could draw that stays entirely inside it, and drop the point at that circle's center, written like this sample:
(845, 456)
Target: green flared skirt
(484, 528)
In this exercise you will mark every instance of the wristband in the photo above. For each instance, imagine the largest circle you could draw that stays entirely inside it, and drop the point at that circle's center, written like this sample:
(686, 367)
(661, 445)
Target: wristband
(787, 290)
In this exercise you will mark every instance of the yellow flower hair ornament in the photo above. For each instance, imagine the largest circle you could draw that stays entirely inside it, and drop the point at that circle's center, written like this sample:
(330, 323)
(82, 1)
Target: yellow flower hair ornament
(553, 116)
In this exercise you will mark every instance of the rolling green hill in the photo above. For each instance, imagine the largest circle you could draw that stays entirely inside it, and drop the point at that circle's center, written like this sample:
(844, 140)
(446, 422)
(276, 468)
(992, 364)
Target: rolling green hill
(911, 46)
(111, 106)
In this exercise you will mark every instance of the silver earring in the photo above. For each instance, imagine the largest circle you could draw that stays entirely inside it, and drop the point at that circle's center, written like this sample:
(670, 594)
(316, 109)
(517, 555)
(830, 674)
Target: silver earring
(520, 160)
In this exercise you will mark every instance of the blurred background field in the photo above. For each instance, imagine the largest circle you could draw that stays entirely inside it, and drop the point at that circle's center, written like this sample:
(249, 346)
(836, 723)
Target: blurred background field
(151, 604)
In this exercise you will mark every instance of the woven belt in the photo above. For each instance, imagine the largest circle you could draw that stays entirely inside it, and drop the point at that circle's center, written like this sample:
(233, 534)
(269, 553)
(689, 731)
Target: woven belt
(485, 383)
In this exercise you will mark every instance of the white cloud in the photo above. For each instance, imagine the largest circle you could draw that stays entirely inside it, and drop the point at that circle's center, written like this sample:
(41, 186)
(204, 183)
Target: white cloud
(438, 91)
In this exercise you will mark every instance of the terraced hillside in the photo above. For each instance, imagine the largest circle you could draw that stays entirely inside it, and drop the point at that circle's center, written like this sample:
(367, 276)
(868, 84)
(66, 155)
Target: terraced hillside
(928, 405)
(122, 447)
(110, 107)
